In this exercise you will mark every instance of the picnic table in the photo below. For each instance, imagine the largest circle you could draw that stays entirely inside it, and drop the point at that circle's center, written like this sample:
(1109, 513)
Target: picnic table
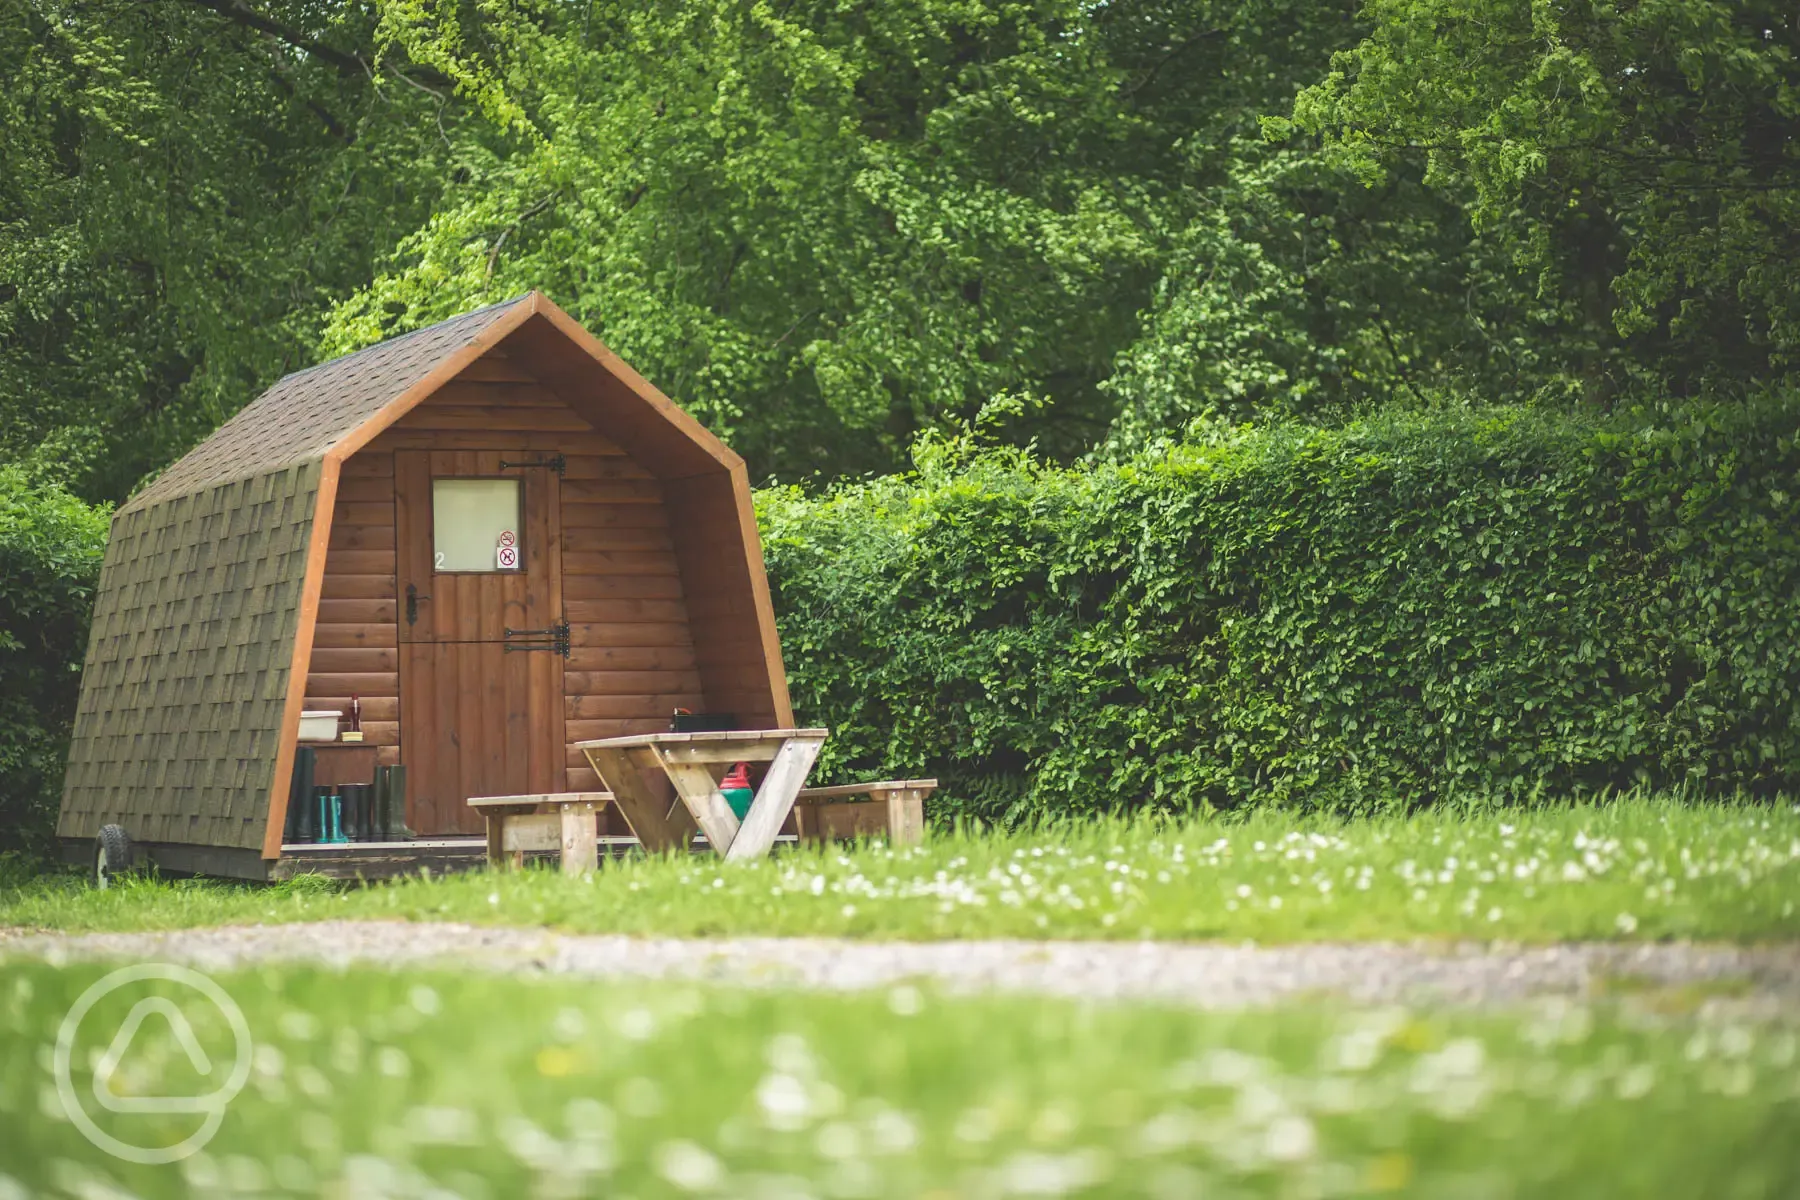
(693, 762)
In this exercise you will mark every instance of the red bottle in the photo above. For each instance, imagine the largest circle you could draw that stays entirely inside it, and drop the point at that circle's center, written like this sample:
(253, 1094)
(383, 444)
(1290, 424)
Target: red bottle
(735, 787)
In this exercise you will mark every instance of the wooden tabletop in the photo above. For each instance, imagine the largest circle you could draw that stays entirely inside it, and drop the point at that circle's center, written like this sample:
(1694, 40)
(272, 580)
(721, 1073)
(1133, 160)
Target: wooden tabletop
(632, 741)
(533, 800)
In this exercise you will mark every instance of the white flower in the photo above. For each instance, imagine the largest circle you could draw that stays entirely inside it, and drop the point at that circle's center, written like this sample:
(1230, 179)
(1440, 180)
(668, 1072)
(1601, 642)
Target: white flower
(1290, 1138)
(1637, 1082)
(784, 1102)
(430, 1125)
(1052, 1174)
(893, 1132)
(689, 1166)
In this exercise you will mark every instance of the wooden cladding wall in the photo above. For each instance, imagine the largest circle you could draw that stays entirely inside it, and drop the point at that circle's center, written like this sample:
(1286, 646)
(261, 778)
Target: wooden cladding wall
(355, 642)
(631, 658)
(722, 600)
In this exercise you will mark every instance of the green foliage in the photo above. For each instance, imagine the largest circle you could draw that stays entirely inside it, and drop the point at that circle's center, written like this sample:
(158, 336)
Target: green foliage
(826, 228)
(50, 550)
(822, 227)
(184, 189)
(1425, 607)
(1636, 161)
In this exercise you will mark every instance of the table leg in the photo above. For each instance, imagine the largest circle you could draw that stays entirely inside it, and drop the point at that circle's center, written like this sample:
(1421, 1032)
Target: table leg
(496, 839)
(580, 847)
(774, 799)
(699, 791)
(657, 830)
(906, 817)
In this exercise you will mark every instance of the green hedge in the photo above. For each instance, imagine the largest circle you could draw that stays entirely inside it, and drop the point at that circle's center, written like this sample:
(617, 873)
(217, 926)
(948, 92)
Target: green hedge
(50, 550)
(1409, 609)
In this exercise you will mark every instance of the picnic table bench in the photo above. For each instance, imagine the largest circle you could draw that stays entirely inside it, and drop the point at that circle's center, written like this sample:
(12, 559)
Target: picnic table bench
(692, 762)
(847, 810)
(518, 824)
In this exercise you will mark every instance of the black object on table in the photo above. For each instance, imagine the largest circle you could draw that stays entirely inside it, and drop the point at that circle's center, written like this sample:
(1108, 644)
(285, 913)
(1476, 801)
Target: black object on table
(689, 722)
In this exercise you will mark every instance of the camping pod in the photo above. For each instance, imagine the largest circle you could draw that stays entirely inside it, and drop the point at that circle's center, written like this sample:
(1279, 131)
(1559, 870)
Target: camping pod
(491, 538)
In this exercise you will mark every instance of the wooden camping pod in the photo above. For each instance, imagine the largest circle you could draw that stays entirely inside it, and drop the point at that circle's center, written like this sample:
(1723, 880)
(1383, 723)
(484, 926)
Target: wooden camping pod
(287, 563)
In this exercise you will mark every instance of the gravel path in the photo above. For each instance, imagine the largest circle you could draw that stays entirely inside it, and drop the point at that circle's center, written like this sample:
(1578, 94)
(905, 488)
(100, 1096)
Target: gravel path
(1201, 975)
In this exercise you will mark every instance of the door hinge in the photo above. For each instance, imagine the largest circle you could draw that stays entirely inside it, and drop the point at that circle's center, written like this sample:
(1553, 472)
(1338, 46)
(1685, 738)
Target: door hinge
(555, 462)
(554, 638)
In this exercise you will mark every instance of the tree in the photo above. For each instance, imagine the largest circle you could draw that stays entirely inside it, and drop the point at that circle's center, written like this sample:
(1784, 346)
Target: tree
(827, 228)
(1635, 164)
(185, 187)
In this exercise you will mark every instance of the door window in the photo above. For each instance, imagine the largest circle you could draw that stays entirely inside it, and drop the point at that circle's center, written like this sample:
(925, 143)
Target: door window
(475, 524)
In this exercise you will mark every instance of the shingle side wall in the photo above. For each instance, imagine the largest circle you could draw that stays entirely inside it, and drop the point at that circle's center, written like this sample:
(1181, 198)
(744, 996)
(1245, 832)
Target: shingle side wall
(185, 685)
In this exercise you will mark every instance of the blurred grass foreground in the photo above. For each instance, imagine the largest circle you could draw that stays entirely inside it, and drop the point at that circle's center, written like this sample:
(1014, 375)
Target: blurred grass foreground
(377, 1084)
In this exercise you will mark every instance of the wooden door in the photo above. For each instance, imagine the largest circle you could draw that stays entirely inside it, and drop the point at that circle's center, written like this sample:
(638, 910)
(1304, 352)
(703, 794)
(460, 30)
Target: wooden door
(481, 658)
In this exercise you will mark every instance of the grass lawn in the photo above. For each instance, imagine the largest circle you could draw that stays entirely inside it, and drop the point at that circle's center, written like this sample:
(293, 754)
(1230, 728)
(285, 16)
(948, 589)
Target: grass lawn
(1632, 868)
(373, 1083)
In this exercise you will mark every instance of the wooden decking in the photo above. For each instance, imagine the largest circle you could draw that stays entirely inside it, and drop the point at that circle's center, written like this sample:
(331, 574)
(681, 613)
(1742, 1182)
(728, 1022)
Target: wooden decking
(439, 856)
(390, 860)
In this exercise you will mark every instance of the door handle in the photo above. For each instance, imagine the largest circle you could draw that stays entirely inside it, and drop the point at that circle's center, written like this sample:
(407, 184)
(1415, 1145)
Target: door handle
(412, 603)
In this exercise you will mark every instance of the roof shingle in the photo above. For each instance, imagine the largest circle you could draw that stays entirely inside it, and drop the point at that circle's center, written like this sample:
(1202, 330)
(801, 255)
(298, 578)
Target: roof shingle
(308, 412)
